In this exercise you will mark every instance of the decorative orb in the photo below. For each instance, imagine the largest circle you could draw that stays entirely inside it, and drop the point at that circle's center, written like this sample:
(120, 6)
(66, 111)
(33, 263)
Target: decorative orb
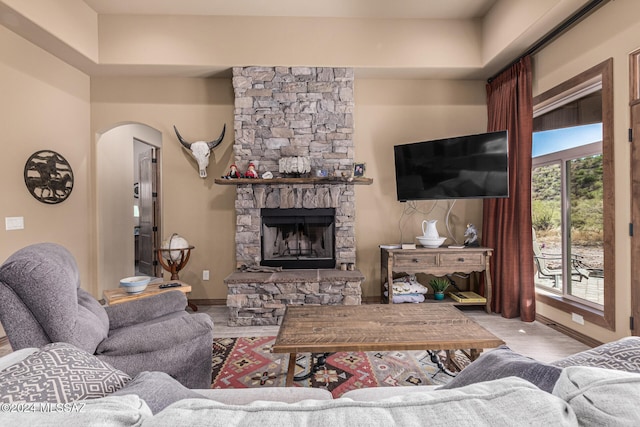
(174, 242)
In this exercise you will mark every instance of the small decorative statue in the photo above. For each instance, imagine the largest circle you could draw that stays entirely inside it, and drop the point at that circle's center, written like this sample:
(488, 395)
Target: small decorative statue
(233, 173)
(251, 171)
(471, 235)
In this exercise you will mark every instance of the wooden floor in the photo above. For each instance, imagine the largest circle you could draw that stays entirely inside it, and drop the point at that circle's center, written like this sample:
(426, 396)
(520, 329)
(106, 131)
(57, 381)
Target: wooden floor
(531, 339)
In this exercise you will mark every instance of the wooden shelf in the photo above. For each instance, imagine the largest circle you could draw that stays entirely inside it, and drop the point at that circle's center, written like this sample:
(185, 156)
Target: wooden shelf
(313, 180)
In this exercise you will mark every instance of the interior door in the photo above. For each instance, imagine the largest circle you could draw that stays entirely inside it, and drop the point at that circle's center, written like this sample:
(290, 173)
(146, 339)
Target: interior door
(634, 73)
(635, 218)
(147, 202)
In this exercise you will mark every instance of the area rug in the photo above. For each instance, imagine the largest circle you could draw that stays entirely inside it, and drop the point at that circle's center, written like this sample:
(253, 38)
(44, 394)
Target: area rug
(249, 363)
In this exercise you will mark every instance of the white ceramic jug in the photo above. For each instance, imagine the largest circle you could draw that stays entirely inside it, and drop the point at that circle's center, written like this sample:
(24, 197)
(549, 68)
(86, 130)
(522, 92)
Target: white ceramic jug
(429, 229)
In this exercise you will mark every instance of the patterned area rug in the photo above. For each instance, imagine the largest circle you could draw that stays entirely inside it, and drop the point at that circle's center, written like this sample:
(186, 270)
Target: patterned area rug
(248, 363)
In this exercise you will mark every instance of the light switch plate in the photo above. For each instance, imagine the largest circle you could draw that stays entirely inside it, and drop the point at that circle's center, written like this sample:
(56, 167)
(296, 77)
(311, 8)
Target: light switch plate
(14, 223)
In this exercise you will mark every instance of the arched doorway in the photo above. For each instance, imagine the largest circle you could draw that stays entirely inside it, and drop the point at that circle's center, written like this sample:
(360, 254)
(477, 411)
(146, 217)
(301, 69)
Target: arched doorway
(127, 212)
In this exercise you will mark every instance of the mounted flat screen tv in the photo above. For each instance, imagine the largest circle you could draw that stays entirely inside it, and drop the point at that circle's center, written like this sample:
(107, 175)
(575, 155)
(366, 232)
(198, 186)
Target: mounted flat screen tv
(464, 167)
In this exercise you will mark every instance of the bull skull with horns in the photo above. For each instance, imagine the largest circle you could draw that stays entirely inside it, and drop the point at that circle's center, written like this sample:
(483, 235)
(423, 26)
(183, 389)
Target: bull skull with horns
(200, 150)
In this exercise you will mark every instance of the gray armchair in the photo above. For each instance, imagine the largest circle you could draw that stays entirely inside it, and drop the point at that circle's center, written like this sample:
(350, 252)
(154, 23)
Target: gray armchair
(41, 302)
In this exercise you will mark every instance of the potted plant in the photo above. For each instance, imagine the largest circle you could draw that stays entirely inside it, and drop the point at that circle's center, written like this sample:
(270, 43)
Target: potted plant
(439, 284)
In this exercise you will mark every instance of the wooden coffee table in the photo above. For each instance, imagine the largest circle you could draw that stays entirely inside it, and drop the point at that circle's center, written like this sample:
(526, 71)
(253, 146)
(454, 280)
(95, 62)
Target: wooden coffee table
(385, 327)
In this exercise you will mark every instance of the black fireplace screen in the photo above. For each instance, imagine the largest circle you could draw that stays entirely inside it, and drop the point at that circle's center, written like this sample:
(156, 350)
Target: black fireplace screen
(298, 238)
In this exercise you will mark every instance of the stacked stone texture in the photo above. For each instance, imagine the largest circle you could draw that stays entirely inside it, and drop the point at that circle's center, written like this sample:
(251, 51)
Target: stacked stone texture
(294, 111)
(261, 304)
(284, 112)
(251, 198)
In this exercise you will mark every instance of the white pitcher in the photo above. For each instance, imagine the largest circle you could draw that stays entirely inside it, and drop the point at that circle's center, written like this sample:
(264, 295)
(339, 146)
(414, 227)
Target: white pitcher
(429, 229)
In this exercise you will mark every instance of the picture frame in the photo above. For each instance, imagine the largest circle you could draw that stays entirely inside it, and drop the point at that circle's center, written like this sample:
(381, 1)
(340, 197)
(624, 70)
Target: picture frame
(359, 169)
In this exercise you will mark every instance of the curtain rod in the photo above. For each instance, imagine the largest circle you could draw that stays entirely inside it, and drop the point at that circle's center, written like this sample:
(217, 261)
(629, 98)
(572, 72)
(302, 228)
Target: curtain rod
(564, 26)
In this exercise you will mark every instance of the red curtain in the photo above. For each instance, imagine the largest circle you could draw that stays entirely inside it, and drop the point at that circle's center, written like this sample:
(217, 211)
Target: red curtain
(507, 222)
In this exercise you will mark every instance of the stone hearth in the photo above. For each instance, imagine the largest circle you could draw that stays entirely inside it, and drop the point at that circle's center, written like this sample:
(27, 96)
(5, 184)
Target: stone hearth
(259, 299)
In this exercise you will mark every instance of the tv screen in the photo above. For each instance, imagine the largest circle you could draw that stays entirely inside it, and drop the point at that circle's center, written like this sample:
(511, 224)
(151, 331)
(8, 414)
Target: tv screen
(472, 166)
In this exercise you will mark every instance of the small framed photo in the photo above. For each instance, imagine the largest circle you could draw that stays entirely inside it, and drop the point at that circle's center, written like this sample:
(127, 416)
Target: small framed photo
(358, 169)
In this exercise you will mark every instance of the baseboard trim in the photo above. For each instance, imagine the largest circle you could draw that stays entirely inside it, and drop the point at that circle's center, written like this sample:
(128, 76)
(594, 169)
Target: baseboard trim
(370, 300)
(587, 340)
(208, 301)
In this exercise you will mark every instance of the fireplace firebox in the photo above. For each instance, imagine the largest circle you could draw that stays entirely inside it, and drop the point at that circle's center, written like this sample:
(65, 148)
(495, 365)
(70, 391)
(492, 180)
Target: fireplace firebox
(298, 238)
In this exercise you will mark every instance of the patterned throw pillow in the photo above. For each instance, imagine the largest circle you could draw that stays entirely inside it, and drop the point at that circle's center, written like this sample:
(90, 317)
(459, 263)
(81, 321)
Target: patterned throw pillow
(621, 355)
(59, 373)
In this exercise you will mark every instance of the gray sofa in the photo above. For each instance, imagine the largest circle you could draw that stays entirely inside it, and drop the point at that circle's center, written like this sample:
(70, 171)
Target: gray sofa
(41, 302)
(500, 388)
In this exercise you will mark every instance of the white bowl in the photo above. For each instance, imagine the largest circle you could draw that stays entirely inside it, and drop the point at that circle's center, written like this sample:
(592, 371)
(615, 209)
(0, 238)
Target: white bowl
(431, 243)
(135, 284)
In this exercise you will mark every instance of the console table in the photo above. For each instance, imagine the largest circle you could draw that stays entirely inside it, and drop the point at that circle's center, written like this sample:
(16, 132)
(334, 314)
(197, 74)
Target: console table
(437, 262)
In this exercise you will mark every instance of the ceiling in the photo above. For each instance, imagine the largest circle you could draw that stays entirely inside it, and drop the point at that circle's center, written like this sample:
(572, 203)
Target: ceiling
(397, 9)
(465, 39)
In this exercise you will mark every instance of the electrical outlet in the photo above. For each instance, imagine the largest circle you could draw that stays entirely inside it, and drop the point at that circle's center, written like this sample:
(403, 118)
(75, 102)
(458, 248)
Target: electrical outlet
(577, 318)
(205, 274)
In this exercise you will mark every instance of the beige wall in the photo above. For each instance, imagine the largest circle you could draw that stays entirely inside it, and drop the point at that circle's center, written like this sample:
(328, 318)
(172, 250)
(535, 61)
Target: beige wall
(196, 41)
(71, 21)
(388, 112)
(610, 32)
(45, 105)
(48, 104)
(195, 208)
(55, 107)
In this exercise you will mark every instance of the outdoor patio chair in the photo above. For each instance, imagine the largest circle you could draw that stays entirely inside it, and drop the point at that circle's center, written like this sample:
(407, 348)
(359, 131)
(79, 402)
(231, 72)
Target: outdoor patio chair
(542, 261)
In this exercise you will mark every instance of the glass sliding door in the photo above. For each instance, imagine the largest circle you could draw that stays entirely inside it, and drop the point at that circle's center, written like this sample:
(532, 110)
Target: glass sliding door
(546, 203)
(585, 223)
(567, 213)
(573, 197)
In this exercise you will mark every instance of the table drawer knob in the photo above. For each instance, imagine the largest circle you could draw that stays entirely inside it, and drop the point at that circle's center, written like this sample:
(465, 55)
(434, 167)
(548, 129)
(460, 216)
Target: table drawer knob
(460, 259)
(416, 260)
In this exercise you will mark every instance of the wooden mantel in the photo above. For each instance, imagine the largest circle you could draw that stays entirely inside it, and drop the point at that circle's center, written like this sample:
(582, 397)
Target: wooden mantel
(311, 180)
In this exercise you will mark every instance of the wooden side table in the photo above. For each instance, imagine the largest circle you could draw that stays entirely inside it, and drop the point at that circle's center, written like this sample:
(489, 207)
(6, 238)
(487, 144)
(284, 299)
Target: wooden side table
(438, 262)
(119, 295)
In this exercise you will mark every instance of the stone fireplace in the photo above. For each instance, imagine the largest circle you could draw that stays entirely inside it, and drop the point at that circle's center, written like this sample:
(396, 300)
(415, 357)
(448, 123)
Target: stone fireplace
(293, 112)
(290, 112)
(298, 238)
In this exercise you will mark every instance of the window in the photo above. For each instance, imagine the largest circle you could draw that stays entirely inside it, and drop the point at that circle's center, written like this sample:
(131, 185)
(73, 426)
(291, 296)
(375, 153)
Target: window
(572, 196)
(567, 215)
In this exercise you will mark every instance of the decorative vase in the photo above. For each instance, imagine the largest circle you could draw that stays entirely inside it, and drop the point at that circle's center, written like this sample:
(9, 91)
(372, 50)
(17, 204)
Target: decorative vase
(429, 229)
(438, 295)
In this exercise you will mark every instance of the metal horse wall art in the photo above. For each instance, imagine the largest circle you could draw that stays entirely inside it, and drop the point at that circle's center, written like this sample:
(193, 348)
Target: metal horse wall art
(48, 177)
(201, 150)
